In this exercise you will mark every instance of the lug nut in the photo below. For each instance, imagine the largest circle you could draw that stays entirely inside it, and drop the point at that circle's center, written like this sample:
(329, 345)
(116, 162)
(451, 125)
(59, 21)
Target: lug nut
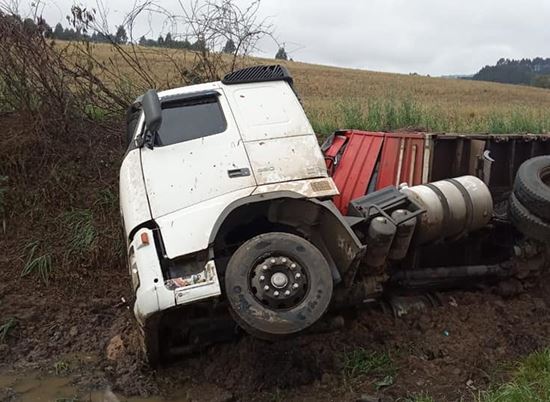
(283, 260)
(276, 293)
(292, 266)
(287, 292)
(266, 287)
(295, 286)
(273, 261)
(298, 275)
(262, 278)
(264, 267)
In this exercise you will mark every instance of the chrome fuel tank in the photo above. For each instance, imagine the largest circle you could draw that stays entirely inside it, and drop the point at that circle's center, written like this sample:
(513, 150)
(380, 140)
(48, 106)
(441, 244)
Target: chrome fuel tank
(454, 207)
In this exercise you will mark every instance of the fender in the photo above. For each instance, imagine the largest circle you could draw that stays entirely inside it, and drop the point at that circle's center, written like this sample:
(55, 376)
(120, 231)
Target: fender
(326, 226)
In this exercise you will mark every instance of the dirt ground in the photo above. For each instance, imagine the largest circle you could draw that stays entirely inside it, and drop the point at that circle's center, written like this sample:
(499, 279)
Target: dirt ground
(448, 352)
(79, 327)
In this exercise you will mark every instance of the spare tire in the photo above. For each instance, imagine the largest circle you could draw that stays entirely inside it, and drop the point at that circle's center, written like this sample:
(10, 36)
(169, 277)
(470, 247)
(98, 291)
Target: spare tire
(277, 284)
(532, 186)
(527, 223)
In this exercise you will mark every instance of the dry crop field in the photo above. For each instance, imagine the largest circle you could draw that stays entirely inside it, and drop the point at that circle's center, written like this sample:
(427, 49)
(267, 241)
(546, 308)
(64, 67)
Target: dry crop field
(339, 97)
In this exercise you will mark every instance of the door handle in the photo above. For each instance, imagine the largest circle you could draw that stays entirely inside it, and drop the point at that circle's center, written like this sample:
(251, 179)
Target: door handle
(242, 172)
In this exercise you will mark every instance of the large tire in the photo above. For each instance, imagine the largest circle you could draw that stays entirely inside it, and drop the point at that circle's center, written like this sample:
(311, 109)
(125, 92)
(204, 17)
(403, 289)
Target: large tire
(532, 186)
(254, 266)
(527, 223)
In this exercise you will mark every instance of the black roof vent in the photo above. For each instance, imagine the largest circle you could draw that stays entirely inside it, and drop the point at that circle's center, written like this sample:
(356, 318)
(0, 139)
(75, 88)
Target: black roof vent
(258, 74)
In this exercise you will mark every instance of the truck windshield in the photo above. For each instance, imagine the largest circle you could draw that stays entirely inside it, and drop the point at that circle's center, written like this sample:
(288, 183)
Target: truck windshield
(186, 120)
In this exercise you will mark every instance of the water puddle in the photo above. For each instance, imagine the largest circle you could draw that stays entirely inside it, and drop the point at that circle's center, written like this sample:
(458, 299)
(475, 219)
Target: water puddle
(36, 388)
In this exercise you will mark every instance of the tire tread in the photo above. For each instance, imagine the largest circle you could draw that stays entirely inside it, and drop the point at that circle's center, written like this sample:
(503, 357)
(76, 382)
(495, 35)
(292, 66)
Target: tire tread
(527, 223)
(529, 188)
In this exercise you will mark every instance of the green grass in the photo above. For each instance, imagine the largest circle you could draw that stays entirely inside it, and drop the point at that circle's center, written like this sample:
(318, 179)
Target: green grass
(390, 114)
(36, 263)
(530, 382)
(6, 328)
(96, 113)
(276, 396)
(61, 367)
(420, 398)
(107, 198)
(362, 361)
(80, 228)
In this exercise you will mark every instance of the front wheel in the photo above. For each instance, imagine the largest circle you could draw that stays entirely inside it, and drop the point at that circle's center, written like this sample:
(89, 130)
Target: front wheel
(277, 284)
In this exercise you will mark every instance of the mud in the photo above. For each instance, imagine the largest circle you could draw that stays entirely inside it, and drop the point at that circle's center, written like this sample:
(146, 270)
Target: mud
(59, 349)
(75, 337)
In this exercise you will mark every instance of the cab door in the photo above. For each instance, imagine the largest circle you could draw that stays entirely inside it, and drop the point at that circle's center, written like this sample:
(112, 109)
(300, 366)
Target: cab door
(198, 154)
(278, 138)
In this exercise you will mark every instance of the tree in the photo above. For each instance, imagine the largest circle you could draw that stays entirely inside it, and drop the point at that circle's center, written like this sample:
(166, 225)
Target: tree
(524, 71)
(168, 40)
(47, 30)
(199, 45)
(542, 81)
(29, 25)
(229, 46)
(68, 34)
(281, 54)
(58, 31)
(44, 27)
(160, 41)
(121, 37)
(143, 41)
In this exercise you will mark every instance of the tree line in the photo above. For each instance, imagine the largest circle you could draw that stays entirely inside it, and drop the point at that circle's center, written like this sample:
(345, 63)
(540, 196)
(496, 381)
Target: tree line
(121, 37)
(535, 72)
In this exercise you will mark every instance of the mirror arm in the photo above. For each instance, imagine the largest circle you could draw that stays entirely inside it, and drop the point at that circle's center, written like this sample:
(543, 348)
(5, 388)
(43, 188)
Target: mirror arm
(150, 139)
(147, 138)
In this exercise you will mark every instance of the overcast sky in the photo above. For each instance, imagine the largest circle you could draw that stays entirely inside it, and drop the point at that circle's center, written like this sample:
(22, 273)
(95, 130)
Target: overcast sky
(434, 37)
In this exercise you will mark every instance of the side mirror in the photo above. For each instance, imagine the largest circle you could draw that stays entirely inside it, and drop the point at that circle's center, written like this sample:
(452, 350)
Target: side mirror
(152, 110)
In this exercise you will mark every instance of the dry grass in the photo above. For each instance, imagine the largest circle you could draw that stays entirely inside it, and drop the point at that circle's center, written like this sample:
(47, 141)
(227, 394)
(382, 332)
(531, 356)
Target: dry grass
(383, 100)
(436, 103)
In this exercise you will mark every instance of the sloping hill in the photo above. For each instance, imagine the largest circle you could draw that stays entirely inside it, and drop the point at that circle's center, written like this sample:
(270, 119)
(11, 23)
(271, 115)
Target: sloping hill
(340, 97)
(337, 97)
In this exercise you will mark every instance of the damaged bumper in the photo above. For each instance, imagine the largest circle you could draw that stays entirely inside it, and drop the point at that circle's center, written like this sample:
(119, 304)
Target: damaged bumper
(153, 293)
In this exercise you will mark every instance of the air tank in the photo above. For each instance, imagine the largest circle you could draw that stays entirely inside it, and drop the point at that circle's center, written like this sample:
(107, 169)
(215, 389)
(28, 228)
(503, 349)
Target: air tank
(403, 234)
(379, 239)
(454, 207)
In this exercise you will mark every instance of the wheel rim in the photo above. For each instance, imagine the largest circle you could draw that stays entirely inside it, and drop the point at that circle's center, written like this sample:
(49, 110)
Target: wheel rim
(279, 282)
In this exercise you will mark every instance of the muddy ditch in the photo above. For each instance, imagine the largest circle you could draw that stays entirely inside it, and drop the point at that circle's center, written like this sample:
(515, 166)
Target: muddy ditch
(88, 348)
(73, 336)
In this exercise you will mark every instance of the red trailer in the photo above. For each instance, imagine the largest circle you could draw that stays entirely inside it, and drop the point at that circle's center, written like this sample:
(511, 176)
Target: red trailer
(361, 162)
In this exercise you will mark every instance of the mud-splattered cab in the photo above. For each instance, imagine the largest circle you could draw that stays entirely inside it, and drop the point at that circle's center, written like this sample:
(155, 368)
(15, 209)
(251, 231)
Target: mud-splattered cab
(210, 167)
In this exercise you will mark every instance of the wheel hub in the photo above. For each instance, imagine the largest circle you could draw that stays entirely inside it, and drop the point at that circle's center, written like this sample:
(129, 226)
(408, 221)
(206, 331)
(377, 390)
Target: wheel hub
(278, 282)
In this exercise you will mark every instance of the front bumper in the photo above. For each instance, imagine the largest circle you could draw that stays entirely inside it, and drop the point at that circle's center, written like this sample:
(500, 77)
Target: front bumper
(153, 293)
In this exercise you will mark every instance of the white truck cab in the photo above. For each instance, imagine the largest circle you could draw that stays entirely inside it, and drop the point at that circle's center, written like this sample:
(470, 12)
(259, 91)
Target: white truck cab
(209, 167)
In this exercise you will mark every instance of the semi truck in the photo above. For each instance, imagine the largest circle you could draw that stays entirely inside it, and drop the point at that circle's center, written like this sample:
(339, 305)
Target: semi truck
(237, 220)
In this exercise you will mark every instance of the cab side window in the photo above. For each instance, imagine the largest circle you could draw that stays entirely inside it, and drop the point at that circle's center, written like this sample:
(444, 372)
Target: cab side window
(185, 120)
